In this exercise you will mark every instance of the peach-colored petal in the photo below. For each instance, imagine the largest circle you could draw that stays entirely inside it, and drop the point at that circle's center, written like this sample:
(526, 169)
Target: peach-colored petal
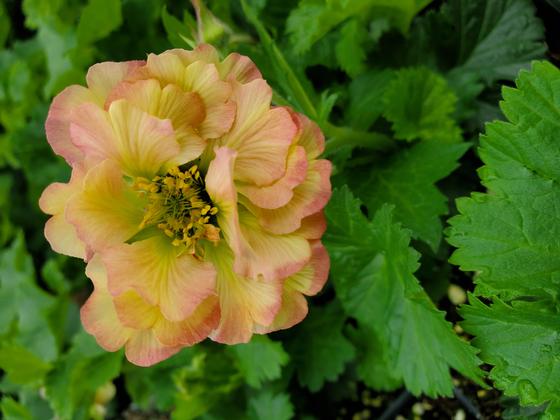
(144, 349)
(294, 310)
(98, 313)
(261, 136)
(280, 192)
(271, 256)
(185, 110)
(244, 303)
(167, 68)
(309, 197)
(103, 77)
(62, 235)
(193, 329)
(176, 282)
(309, 136)
(204, 79)
(313, 227)
(311, 279)
(106, 211)
(203, 52)
(59, 118)
(239, 68)
(134, 312)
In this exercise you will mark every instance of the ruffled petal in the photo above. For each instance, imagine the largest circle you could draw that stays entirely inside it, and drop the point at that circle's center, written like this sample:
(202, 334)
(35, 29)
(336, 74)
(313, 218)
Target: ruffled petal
(204, 79)
(176, 282)
(202, 52)
(244, 303)
(185, 110)
(239, 68)
(98, 313)
(134, 312)
(192, 330)
(144, 349)
(60, 234)
(166, 67)
(260, 135)
(60, 116)
(106, 211)
(309, 198)
(313, 227)
(310, 136)
(103, 77)
(280, 192)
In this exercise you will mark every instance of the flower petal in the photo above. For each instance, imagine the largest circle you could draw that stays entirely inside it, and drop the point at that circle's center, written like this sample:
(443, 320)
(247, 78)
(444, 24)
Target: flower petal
(310, 136)
(261, 136)
(134, 312)
(176, 282)
(98, 313)
(239, 68)
(280, 192)
(309, 198)
(193, 329)
(244, 303)
(313, 227)
(59, 118)
(106, 211)
(144, 349)
(103, 77)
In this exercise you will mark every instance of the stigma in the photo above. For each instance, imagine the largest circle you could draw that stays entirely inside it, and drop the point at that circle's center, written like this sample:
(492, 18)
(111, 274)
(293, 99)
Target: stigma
(180, 207)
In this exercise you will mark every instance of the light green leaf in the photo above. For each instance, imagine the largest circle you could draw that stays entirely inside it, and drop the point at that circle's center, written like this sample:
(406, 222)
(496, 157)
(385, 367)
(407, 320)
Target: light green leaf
(13, 410)
(260, 360)
(99, 18)
(180, 34)
(313, 19)
(510, 237)
(269, 406)
(407, 181)
(22, 366)
(319, 349)
(420, 105)
(372, 269)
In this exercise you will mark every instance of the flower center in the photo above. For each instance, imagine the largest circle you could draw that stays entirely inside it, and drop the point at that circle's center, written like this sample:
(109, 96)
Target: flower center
(179, 205)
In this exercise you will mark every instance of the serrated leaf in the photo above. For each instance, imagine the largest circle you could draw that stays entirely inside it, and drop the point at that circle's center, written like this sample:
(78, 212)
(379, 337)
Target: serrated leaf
(180, 34)
(260, 360)
(372, 269)
(510, 237)
(420, 105)
(99, 18)
(267, 405)
(319, 349)
(349, 49)
(522, 344)
(407, 180)
(313, 19)
(21, 366)
(13, 410)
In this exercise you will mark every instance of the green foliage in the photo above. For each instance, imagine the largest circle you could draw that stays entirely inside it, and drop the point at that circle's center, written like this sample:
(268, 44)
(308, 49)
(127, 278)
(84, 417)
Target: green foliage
(420, 106)
(401, 89)
(509, 236)
(372, 269)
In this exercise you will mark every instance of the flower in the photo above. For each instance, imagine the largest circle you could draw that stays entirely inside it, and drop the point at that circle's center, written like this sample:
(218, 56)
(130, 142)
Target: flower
(197, 205)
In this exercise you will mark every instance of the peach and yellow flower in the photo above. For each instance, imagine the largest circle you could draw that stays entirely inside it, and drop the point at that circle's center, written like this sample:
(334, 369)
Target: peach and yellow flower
(197, 205)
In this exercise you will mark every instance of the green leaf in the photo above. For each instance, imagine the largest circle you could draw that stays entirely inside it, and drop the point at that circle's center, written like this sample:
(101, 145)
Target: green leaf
(22, 366)
(365, 90)
(13, 410)
(78, 374)
(99, 18)
(319, 349)
(372, 269)
(510, 238)
(407, 181)
(180, 35)
(22, 302)
(420, 105)
(523, 345)
(349, 48)
(270, 406)
(313, 19)
(260, 360)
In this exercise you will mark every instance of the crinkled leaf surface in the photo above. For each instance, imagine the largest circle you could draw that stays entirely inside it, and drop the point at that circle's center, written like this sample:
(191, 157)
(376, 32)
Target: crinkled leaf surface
(372, 269)
(407, 181)
(267, 405)
(510, 237)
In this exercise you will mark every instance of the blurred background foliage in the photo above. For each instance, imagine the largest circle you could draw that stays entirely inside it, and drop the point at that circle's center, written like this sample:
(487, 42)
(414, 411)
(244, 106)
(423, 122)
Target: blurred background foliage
(401, 89)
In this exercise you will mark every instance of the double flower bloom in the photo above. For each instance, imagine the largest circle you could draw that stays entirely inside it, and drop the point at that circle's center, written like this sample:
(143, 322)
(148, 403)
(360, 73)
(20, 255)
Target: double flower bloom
(196, 205)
